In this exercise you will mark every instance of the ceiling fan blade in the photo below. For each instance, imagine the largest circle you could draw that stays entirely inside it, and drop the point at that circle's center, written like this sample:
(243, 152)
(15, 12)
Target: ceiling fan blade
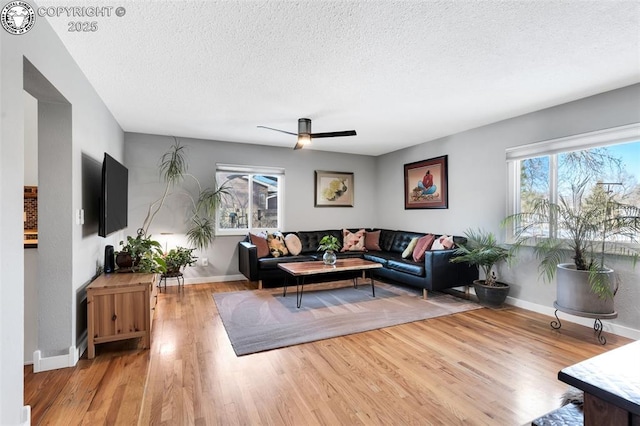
(278, 130)
(333, 134)
(298, 145)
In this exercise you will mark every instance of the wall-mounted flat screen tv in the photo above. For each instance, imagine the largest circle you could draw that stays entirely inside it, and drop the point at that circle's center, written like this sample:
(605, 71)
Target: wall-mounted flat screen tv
(114, 198)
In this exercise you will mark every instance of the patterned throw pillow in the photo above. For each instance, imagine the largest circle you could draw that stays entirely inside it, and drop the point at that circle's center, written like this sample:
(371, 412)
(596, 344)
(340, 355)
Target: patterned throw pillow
(353, 241)
(424, 244)
(372, 241)
(277, 246)
(293, 243)
(412, 244)
(261, 245)
(443, 243)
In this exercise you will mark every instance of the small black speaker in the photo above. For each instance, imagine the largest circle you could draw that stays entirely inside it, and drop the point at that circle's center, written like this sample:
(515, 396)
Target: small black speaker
(109, 260)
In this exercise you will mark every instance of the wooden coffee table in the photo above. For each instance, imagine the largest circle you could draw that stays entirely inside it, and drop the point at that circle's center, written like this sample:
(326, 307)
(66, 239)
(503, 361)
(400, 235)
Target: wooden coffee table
(300, 270)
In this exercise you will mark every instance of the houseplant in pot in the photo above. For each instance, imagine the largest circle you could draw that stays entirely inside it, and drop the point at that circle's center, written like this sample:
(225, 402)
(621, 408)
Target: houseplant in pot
(329, 244)
(176, 259)
(587, 230)
(482, 250)
(139, 254)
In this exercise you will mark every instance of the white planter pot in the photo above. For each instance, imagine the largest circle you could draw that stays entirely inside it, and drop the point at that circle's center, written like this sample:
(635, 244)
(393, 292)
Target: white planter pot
(574, 291)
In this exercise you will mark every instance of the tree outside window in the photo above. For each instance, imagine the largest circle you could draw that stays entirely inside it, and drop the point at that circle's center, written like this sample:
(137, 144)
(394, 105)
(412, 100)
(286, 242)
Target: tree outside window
(581, 178)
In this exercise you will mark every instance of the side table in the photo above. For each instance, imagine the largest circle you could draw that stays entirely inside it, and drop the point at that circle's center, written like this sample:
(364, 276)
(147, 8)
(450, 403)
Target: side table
(120, 306)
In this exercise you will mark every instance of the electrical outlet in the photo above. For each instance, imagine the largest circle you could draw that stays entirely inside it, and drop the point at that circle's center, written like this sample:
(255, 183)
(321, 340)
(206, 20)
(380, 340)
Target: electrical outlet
(205, 261)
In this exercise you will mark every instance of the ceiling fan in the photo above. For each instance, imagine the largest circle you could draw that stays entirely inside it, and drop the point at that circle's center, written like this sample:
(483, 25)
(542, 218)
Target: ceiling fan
(304, 133)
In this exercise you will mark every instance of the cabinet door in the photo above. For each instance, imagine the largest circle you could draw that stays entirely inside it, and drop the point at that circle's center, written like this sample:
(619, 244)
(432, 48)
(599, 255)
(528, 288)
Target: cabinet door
(153, 302)
(130, 311)
(104, 316)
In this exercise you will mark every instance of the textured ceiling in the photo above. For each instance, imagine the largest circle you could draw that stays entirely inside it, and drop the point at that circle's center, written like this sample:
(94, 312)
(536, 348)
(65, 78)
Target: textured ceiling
(399, 72)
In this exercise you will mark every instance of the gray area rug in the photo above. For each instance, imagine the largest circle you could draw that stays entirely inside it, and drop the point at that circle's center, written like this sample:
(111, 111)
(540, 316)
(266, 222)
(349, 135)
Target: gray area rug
(261, 320)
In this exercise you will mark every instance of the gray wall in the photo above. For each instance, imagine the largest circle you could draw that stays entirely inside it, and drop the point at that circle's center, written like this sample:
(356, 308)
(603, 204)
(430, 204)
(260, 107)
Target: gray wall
(142, 155)
(93, 131)
(30, 255)
(478, 179)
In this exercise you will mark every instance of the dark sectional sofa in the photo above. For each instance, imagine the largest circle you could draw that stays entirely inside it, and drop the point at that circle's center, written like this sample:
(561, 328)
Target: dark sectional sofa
(436, 272)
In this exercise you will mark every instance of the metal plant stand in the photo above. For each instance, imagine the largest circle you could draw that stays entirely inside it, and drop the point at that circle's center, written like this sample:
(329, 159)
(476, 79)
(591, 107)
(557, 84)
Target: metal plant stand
(177, 275)
(597, 324)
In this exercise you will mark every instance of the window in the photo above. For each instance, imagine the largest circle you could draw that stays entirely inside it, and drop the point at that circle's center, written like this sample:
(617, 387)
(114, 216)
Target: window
(254, 200)
(578, 169)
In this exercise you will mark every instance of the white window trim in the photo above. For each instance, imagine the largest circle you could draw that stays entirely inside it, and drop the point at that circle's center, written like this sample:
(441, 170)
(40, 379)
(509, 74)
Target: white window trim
(610, 136)
(598, 138)
(253, 170)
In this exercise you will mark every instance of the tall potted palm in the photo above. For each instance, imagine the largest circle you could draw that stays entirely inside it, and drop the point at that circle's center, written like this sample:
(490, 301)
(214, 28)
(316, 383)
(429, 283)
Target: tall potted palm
(483, 251)
(201, 221)
(587, 230)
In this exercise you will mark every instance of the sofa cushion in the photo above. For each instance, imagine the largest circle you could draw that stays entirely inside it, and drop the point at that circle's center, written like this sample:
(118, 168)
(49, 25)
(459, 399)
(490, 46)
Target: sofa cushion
(261, 245)
(444, 242)
(272, 262)
(386, 239)
(406, 266)
(372, 240)
(293, 244)
(409, 249)
(384, 256)
(277, 246)
(347, 254)
(311, 239)
(424, 244)
(402, 240)
(353, 241)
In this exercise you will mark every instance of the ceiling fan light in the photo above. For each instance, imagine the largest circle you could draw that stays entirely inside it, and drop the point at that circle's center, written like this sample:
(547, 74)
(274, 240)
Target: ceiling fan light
(304, 139)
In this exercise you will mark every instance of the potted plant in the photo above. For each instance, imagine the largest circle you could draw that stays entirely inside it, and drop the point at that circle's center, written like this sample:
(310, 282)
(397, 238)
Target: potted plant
(139, 254)
(176, 259)
(329, 244)
(589, 228)
(483, 251)
(201, 221)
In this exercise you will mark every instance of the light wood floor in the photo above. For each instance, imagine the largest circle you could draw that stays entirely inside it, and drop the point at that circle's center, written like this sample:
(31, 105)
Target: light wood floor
(484, 367)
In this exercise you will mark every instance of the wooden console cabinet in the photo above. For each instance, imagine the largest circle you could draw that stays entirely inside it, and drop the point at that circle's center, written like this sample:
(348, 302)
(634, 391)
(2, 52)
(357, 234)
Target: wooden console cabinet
(120, 306)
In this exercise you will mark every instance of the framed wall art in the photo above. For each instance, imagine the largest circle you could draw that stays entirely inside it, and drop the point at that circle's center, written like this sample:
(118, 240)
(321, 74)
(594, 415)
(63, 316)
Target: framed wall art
(333, 189)
(426, 184)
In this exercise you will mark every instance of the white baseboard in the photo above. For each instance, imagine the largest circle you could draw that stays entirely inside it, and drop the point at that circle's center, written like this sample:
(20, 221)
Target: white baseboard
(214, 279)
(26, 415)
(55, 362)
(608, 326)
(81, 345)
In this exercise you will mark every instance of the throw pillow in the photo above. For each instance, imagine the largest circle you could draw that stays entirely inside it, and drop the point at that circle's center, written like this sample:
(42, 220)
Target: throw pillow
(261, 245)
(443, 243)
(277, 246)
(293, 243)
(353, 241)
(372, 241)
(424, 244)
(412, 244)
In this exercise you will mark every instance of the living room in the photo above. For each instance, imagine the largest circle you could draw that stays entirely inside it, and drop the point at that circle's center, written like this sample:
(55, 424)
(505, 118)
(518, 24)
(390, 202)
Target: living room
(477, 194)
